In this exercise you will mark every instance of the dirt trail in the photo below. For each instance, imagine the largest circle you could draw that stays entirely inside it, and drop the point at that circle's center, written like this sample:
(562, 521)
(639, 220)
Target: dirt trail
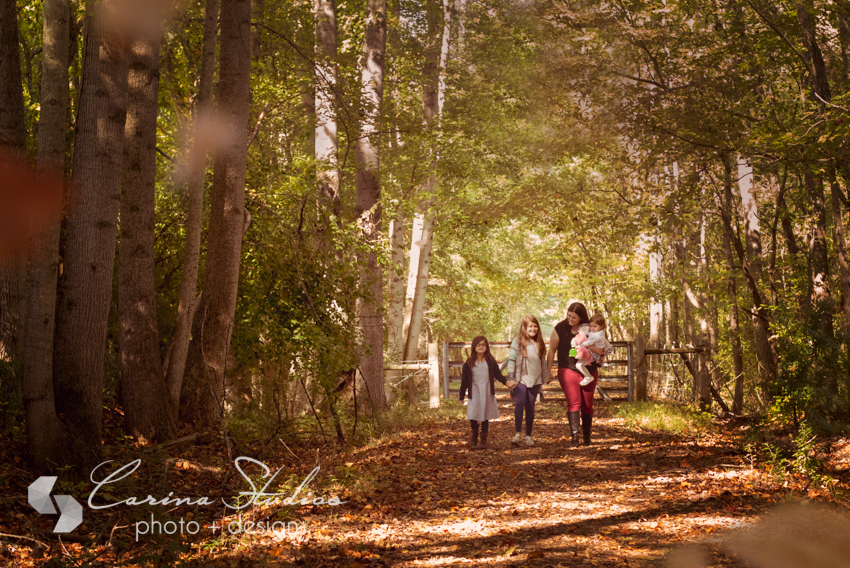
(626, 500)
(422, 498)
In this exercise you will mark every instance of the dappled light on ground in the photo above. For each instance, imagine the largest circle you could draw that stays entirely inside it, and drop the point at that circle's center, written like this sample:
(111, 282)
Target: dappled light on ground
(422, 498)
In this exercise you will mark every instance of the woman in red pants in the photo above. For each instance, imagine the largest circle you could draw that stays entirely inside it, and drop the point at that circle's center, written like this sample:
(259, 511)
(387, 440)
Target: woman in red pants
(579, 398)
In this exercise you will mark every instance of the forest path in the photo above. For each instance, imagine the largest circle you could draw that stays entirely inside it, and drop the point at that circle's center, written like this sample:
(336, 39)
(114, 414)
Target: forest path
(626, 500)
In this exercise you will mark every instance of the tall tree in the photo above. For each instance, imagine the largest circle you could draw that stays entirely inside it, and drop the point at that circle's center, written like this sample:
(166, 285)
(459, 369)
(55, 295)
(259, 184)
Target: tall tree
(732, 290)
(12, 148)
(188, 303)
(821, 296)
(764, 351)
(840, 241)
(422, 237)
(147, 405)
(12, 129)
(43, 426)
(85, 288)
(368, 185)
(326, 140)
(202, 397)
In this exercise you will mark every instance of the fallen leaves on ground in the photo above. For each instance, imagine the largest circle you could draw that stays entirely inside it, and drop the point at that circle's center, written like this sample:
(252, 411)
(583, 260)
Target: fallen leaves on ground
(423, 498)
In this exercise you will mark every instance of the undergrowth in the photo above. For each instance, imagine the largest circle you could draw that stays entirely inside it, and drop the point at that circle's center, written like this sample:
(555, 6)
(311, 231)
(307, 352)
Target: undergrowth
(662, 416)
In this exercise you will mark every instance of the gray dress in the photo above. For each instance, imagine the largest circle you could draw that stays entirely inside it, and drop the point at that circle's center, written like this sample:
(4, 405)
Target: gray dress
(482, 402)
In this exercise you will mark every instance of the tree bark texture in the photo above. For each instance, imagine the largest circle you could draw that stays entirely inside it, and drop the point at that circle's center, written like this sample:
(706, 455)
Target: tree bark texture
(761, 333)
(395, 289)
(840, 246)
(202, 397)
(13, 148)
(824, 353)
(12, 126)
(326, 140)
(186, 307)
(43, 426)
(708, 334)
(148, 411)
(820, 78)
(368, 186)
(85, 288)
(436, 58)
(732, 290)
(655, 306)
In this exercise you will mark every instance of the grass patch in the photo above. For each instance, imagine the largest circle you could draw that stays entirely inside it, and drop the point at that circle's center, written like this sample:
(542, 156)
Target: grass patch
(662, 416)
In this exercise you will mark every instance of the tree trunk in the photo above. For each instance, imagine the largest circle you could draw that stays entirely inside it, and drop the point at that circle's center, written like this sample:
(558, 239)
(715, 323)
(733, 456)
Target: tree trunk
(436, 59)
(732, 290)
(186, 308)
(148, 410)
(673, 319)
(368, 184)
(421, 242)
(395, 289)
(761, 334)
(655, 307)
(12, 125)
(823, 337)
(707, 334)
(326, 70)
(202, 397)
(85, 289)
(820, 78)
(13, 269)
(258, 8)
(840, 245)
(43, 426)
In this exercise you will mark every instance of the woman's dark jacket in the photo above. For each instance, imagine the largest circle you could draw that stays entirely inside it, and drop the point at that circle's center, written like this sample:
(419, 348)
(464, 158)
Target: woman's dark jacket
(466, 378)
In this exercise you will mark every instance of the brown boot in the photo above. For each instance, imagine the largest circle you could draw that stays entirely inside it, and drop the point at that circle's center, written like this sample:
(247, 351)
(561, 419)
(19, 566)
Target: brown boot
(473, 437)
(586, 422)
(485, 429)
(574, 418)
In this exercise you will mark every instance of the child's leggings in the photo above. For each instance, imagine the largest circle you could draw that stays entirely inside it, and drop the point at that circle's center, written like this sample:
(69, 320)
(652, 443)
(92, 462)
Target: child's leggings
(485, 425)
(524, 399)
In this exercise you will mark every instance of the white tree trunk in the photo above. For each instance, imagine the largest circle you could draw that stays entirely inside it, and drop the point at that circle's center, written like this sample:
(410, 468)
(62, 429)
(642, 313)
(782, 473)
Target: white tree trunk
(395, 289)
(368, 202)
(764, 351)
(655, 307)
(418, 282)
(326, 140)
(433, 98)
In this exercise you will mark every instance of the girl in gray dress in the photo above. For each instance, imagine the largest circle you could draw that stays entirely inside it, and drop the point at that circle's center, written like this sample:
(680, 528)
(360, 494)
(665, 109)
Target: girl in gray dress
(478, 378)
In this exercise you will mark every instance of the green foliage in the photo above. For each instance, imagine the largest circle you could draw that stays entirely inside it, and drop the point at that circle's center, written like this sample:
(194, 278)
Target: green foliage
(800, 463)
(663, 417)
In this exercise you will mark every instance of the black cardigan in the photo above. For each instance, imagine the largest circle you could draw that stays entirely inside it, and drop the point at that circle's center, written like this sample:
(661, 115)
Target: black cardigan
(466, 378)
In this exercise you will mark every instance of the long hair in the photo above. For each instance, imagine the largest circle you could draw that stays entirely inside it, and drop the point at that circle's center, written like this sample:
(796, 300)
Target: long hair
(525, 339)
(473, 356)
(578, 309)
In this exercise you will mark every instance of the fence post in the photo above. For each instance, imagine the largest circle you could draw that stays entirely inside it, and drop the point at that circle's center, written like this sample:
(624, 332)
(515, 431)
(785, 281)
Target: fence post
(433, 375)
(640, 367)
(445, 369)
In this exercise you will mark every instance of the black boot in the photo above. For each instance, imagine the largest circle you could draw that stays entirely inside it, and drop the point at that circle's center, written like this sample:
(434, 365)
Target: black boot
(586, 422)
(485, 429)
(473, 437)
(574, 417)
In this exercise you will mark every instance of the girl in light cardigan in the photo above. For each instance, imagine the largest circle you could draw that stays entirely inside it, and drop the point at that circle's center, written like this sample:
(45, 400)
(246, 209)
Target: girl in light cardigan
(527, 373)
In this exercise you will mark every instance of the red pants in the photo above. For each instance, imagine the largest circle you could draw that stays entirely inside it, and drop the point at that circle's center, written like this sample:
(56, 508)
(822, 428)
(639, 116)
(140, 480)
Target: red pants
(578, 397)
